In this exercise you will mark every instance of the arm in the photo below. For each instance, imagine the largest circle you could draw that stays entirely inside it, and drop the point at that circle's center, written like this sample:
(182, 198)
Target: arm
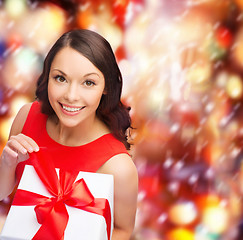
(125, 194)
(15, 151)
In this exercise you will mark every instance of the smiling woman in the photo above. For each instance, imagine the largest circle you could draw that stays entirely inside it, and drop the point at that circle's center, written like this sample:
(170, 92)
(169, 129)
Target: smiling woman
(79, 117)
(98, 51)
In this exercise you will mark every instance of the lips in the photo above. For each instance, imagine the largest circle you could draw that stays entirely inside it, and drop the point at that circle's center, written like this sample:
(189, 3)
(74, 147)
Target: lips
(71, 109)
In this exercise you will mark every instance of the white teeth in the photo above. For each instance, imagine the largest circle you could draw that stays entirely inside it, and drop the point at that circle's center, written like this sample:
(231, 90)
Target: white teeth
(69, 109)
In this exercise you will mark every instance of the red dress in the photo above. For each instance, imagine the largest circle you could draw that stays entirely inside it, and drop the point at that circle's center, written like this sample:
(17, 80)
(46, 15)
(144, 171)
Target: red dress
(89, 157)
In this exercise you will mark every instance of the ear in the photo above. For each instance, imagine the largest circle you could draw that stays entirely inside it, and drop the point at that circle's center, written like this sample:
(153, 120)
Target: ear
(105, 92)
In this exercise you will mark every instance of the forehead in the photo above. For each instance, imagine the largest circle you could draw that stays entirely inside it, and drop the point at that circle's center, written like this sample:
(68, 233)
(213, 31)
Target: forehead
(70, 61)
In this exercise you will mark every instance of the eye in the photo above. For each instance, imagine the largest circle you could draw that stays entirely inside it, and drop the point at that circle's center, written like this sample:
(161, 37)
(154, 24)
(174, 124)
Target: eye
(59, 78)
(89, 83)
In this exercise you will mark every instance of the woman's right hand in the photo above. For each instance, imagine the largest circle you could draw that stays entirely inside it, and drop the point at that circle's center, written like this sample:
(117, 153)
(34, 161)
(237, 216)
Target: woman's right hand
(17, 149)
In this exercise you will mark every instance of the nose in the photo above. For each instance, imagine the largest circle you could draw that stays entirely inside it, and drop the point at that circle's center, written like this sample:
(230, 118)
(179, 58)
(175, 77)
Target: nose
(72, 93)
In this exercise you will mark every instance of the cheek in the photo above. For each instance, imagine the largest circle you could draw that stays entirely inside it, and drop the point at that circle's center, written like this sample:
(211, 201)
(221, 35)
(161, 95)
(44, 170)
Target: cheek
(95, 99)
(52, 92)
(49, 88)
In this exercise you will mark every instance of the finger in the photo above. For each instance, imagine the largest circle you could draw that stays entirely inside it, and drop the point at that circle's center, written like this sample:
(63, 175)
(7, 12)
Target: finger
(9, 156)
(8, 152)
(19, 146)
(23, 143)
(14, 156)
(22, 157)
(31, 142)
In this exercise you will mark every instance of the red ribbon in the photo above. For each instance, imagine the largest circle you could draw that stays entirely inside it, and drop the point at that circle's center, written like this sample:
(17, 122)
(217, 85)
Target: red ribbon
(52, 212)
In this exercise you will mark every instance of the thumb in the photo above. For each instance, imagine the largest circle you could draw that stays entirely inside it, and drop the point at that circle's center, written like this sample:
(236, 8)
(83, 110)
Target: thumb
(22, 157)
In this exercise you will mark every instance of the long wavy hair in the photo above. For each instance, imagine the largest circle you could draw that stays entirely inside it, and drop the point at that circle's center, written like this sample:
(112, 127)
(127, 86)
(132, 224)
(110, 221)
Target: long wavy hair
(98, 50)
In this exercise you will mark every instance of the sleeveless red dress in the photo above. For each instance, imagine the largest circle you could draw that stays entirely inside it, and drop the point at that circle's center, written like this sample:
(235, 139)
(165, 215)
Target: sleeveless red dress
(89, 157)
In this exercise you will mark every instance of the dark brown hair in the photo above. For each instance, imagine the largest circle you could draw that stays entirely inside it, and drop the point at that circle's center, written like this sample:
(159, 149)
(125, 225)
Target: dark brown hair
(97, 49)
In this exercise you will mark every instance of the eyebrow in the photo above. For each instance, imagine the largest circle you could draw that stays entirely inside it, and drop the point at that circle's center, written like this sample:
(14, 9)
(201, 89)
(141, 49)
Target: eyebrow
(86, 75)
(60, 71)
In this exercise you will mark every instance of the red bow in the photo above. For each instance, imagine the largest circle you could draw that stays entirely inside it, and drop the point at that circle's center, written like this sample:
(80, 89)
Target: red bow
(52, 212)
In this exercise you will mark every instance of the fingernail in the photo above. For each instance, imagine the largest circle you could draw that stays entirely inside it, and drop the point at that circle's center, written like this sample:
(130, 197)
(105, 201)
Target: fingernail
(24, 151)
(36, 149)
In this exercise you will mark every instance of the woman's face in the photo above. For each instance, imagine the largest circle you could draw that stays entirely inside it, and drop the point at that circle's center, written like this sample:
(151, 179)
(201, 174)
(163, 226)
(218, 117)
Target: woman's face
(75, 87)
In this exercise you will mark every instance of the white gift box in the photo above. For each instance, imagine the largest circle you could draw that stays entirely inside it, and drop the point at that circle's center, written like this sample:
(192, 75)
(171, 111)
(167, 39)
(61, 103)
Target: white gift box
(21, 222)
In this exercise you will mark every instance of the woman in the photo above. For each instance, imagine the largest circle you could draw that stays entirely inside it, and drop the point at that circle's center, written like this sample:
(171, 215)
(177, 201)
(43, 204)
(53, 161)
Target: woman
(79, 117)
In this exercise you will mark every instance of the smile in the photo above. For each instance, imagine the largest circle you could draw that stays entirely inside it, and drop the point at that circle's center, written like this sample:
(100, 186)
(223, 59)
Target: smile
(71, 109)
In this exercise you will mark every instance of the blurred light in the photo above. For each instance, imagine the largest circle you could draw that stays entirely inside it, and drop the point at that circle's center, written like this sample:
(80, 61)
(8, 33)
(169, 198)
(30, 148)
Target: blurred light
(198, 75)
(26, 60)
(5, 126)
(17, 103)
(183, 213)
(85, 15)
(98, 18)
(156, 101)
(216, 219)
(1, 95)
(180, 234)
(134, 7)
(15, 8)
(4, 22)
(221, 79)
(202, 233)
(138, 28)
(234, 87)
(239, 3)
(128, 73)
(177, 81)
(3, 108)
(237, 48)
(14, 41)
(2, 49)
(21, 69)
(41, 27)
(54, 18)
(110, 31)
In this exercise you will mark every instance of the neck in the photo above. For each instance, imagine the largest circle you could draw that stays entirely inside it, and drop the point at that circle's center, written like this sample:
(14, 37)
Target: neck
(80, 134)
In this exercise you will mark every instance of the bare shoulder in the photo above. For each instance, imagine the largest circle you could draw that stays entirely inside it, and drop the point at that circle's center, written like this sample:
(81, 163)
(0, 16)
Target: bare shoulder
(20, 119)
(123, 169)
(121, 166)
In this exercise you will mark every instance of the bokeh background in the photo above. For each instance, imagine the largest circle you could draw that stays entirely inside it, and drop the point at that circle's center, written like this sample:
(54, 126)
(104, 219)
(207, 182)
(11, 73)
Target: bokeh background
(182, 64)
